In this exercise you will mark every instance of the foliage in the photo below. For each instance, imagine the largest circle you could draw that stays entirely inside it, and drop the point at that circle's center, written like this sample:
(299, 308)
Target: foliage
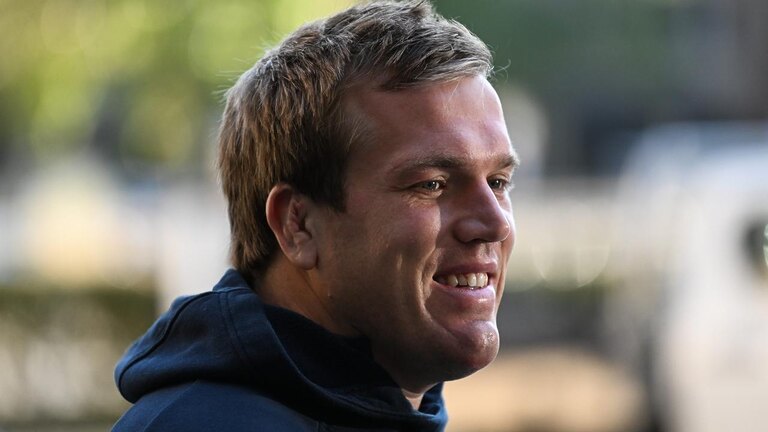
(130, 79)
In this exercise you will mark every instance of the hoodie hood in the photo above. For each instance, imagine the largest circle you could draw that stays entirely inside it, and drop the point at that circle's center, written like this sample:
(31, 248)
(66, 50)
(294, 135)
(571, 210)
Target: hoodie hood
(228, 335)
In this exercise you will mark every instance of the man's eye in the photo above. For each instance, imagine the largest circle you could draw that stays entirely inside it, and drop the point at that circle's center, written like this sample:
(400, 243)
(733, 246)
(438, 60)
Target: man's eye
(432, 185)
(499, 184)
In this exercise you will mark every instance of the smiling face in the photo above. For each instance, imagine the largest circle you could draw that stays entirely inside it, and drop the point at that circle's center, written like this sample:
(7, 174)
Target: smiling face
(416, 261)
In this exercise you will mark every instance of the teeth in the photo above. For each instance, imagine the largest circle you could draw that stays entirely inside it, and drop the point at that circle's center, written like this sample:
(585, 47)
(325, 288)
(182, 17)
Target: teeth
(473, 280)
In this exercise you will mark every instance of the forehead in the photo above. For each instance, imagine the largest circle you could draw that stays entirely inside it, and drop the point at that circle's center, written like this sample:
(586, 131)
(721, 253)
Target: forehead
(459, 120)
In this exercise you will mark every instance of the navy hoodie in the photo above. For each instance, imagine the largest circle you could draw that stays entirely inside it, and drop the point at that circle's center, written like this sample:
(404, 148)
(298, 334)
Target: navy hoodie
(224, 361)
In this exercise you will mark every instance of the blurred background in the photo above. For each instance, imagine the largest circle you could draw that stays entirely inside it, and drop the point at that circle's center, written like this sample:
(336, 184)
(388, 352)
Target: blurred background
(637, 298)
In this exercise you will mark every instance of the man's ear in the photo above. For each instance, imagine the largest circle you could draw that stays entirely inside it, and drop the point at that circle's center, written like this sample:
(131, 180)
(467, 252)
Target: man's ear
(287, 212)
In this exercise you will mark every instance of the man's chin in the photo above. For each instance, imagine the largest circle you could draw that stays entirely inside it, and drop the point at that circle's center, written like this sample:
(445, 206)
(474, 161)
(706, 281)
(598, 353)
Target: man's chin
(450, 353)
(477, 347)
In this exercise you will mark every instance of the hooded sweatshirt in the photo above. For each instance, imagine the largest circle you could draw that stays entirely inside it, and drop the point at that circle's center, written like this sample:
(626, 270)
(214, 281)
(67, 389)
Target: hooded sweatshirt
(225, 361)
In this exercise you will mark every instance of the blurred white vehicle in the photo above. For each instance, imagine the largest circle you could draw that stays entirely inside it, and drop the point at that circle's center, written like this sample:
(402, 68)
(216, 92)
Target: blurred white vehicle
(690, 312)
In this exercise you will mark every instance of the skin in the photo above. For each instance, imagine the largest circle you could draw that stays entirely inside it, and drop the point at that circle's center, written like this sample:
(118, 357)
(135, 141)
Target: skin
(427, 195)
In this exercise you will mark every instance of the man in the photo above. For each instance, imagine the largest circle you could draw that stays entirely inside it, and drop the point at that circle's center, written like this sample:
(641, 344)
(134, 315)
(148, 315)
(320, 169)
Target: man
(367, 168)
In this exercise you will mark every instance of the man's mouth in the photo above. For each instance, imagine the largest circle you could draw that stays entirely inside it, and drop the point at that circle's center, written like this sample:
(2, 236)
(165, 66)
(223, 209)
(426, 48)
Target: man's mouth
(466, 280)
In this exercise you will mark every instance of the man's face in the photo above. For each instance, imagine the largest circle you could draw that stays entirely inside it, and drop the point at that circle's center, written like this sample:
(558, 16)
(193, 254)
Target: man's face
(427, 213)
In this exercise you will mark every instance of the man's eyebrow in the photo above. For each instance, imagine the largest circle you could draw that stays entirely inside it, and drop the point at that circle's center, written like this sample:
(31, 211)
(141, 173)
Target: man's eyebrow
(510, 161)
(451, 162)
(432, 161)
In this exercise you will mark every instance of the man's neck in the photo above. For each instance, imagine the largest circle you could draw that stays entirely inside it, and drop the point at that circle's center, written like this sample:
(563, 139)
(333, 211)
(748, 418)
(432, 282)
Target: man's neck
(290, 288)
(286, 286)
(413, 398)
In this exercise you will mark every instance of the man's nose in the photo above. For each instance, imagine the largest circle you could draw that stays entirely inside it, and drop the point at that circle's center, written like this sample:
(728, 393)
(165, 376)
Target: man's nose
(483, 217)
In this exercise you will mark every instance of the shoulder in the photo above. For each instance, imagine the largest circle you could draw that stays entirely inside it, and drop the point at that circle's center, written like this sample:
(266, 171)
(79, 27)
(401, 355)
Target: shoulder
(206, 406)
